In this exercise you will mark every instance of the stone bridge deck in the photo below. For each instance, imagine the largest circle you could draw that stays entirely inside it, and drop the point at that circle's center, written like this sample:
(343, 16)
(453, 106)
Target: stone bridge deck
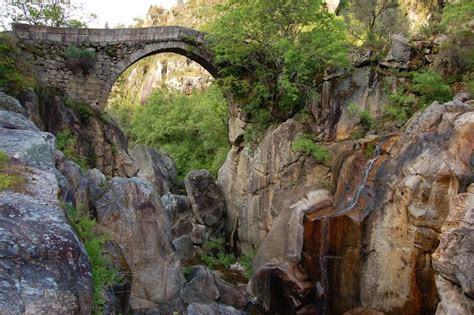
(115, 51)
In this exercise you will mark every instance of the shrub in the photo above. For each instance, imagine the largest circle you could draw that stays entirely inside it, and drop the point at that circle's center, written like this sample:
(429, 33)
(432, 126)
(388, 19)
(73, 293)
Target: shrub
(400, 107)
(305, 144)
(213, 254)
(80, 60)
(66, 142)
(15, 71)
(104, 275)
(84, 111)
(429, 86)
(364, 115)
(191, 129)
(246, 261)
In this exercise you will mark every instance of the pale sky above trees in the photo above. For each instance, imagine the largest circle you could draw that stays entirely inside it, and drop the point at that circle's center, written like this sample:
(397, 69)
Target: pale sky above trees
(121, 11)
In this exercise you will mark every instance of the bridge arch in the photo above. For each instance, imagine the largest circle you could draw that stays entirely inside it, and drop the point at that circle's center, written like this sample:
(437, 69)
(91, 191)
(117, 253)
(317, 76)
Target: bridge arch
(116, 50)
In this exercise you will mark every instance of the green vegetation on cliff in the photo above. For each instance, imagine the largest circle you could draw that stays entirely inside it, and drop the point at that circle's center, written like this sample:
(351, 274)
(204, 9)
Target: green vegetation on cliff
(272, 54)
(104, 276)
(15, 70)
(7, 179)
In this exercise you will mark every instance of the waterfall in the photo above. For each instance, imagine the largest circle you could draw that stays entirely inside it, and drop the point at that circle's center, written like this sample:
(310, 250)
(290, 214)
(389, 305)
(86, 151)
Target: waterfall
(367, 169)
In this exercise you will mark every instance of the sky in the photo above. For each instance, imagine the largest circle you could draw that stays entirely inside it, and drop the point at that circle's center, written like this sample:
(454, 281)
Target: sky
(120, 11)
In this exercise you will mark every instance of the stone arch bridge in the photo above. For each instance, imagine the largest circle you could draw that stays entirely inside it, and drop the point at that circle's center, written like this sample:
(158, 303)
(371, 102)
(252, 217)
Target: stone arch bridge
(115, 51)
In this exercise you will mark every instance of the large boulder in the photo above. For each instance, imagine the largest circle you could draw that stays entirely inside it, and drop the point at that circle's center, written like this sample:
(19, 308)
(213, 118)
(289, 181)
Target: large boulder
(22, 140)
(10, 104)
(206, 198)
(179, 211)
(157, 167)
(131, 212)
(205, 288)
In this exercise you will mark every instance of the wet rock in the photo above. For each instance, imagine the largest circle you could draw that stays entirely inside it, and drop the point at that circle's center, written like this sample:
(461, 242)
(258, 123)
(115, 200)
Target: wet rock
(156, 167)
(132, 213)
(180, 214)
(294, 287)
(10, 104)
(205, 288)
(206, 198)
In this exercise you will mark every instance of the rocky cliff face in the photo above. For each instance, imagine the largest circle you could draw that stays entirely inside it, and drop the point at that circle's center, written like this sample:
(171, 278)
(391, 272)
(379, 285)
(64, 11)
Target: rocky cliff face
(382, 227)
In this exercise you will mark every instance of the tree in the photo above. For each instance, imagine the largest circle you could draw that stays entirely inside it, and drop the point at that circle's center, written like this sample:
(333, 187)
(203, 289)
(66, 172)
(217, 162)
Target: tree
(272, 53)
(192, 129)
(372, 21)
(58, 13)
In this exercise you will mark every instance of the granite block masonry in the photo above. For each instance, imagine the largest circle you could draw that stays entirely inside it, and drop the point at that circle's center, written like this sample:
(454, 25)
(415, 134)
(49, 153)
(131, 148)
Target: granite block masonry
(115, 51)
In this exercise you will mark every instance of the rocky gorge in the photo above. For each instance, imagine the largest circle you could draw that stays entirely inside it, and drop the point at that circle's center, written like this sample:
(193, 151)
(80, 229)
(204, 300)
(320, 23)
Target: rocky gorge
(339, 209)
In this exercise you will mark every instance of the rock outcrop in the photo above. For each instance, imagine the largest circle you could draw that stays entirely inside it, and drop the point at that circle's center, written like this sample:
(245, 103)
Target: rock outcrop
(132, 213)
(207, 200)
(156, 167)
(43, 266)
(374, 244)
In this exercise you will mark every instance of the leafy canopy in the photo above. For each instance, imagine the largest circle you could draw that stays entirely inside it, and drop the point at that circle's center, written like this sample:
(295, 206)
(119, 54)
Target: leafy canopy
(271, 53)
(58, 13)
(192, 129)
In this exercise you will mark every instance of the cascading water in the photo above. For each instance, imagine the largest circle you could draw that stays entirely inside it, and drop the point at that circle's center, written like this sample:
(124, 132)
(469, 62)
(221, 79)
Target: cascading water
(367, 169)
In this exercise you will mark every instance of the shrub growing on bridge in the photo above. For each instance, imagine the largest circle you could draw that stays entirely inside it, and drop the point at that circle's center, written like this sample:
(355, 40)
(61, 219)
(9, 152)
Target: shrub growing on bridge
(80, 60)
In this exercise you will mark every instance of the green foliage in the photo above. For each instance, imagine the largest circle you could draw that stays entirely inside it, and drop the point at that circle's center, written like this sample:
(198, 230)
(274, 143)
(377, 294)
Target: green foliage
(370, 22)
(104, 275)
(364, 115)
(457, 16)
(7, 179)
(400, 107)
(430, 87)
(306, 144)
(369, 151)
(213, 254)
(80, 60)
(191, 129)
(272, 53)
(66, 142)
(4, 158)
(44, 12)
(15, 71)
(84, 111)
(246, 261)
(456, 56)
